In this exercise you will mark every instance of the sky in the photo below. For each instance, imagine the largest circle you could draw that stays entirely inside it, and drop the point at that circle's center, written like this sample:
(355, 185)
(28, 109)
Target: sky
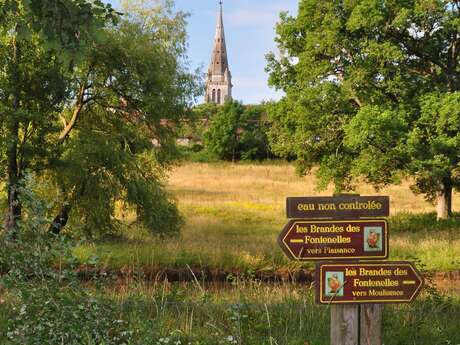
(249, 31)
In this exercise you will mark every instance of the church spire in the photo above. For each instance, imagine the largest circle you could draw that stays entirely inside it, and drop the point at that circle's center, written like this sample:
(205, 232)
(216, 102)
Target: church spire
(218, 84)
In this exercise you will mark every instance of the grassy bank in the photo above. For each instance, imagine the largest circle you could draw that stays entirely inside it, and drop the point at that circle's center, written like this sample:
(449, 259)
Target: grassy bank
(245, 313)
(234, 213)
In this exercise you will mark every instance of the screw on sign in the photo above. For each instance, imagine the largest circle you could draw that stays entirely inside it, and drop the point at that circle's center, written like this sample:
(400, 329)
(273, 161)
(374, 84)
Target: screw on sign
(327, 240)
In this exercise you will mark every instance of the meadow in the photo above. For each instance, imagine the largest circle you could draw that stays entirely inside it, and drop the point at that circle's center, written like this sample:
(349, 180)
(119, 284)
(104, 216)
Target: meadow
(241, 313)
(234, 213)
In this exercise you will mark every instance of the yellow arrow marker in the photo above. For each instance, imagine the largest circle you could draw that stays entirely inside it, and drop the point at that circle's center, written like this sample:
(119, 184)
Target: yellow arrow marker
(409, 282)
(297, 241)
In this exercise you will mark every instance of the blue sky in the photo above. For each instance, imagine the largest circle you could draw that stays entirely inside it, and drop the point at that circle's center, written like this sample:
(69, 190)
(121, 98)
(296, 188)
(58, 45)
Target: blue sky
(249, 30)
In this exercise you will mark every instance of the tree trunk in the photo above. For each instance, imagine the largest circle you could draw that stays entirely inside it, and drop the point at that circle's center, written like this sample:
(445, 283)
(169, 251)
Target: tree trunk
(13, 169)
(60, 221)
(14, 205)
(444, 200)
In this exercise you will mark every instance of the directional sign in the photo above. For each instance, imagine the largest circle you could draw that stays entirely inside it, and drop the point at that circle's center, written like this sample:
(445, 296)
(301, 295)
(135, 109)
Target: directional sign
(306, 240)
(338, 207)
(382, 282)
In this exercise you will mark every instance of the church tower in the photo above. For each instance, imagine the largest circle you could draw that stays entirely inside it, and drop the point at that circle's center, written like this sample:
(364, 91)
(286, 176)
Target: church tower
(219, 79)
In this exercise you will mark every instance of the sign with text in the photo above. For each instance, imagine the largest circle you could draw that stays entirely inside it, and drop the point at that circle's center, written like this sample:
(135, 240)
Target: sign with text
(383, 282)
(330, 240)
(338, 207)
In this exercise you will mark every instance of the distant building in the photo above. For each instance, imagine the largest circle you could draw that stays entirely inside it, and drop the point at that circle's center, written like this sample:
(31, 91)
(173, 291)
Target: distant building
(219, 79)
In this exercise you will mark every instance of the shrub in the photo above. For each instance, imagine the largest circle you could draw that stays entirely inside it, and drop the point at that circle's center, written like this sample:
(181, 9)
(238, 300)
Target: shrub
(51, 314)
(46, 302)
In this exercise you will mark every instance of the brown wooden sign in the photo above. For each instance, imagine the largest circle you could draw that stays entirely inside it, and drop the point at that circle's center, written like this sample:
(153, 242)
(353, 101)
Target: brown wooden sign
(338, 207)
(382, 282)
(329, 240)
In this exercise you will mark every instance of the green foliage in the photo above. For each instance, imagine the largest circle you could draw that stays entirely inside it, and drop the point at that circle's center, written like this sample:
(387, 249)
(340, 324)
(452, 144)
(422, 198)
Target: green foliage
(409, 324)
(435, 141)
(371, 91)
(220, 319)
(31, 254)
(311, 132)
(424, 223)
(198, 154)
(205, 111)
(222, 137)
(100, 129)
(238, 132)
(195, 128)
(47, 304)
(38, 86)
(54, 315)
(50, 20)
(378, 133)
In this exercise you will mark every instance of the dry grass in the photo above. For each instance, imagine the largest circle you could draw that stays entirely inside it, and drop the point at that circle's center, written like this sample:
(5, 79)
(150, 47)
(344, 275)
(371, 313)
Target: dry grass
(267, 185)
(234, 213)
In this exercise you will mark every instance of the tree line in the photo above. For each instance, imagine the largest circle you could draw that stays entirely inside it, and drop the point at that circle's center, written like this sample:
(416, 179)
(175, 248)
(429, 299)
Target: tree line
(372, 92)
(92, 107)
(231, 132)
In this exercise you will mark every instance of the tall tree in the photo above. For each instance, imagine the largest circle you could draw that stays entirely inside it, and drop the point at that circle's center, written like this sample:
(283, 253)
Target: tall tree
(119, 135)
(32, 35)
(371, 90)
(93, 108)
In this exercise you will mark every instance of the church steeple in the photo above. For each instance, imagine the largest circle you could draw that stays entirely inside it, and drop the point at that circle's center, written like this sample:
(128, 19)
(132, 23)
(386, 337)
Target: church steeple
(219, 83)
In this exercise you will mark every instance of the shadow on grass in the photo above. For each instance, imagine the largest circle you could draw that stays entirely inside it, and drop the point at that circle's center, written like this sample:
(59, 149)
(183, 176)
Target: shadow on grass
(422, 222)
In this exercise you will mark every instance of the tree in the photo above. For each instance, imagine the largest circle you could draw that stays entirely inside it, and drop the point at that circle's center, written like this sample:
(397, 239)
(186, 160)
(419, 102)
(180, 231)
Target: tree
(32, 35)
(104, 128)
(238, 132)
(222, 136)
(135, 95)
(371, 88)
(194, 128)
(253, 143)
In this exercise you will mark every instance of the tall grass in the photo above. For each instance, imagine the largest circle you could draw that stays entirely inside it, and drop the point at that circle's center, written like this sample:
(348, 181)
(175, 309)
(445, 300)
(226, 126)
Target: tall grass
(234, 213)
(255, 313)
(248, 313)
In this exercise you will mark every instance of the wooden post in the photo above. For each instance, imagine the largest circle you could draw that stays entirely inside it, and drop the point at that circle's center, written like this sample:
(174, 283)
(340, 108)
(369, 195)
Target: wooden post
(356, 324)
(344, 324)
(371, 324)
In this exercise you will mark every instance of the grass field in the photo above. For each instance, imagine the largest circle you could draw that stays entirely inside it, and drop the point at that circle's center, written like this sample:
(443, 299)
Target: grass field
(234, 213)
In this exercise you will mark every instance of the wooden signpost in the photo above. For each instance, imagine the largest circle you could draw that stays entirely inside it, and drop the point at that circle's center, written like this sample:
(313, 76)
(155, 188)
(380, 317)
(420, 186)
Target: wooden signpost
(342, 230)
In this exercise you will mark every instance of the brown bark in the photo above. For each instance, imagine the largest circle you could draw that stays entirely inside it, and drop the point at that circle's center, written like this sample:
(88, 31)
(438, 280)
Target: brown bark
(13, 169)
(60, 221)
(444, 200)
(14, 205)
(75, 114)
